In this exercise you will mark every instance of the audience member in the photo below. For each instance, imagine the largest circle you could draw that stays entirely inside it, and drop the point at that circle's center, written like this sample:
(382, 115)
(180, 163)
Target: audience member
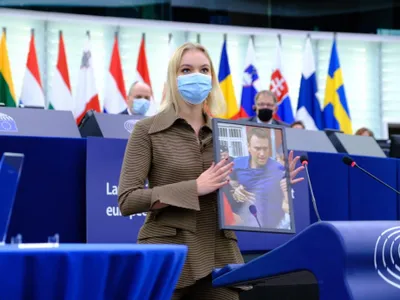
(364, 131)
(138, 101)
(298, 125)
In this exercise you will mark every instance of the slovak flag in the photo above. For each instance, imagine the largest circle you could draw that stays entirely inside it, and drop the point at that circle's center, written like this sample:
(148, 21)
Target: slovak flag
(280, 88)
(250, 83)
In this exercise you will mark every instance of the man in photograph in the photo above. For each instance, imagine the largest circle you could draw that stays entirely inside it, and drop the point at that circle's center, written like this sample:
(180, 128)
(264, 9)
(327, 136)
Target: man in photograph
(259, 185)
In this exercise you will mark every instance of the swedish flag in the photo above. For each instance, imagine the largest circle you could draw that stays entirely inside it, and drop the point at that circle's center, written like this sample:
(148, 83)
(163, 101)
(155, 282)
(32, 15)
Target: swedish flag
(336, 111)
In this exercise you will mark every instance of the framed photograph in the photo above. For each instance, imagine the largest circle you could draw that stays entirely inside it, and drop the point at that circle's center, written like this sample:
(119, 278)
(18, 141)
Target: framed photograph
(257, 197)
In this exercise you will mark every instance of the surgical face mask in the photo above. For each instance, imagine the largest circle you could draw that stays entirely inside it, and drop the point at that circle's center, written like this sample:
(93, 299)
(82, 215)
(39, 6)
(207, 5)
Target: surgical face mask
(140, 106)
(194, 88)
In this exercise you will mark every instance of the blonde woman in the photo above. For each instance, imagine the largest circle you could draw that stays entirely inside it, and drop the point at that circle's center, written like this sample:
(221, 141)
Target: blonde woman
(174, 150)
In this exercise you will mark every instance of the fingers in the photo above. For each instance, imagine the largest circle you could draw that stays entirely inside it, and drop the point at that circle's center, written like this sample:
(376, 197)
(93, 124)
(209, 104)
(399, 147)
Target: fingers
(290, 158)
(293, 163)
(223, 169)
(294, 173)
(294, 181)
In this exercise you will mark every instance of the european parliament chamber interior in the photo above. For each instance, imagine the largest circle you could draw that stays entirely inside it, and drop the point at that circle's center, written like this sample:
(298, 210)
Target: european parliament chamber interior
(199, 150)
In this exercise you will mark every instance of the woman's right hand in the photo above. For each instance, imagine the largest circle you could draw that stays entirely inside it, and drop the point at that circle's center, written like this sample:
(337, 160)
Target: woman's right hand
(214, 177)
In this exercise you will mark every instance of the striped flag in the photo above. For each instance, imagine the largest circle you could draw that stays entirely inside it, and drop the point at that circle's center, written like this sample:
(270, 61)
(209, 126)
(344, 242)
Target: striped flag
(7, 93)
(280, 88)
(250, 83)
(226, 84)
(115, 96)
(143, 75)
(32, 91)
(171, 50)
(61, 95)
(87, 97)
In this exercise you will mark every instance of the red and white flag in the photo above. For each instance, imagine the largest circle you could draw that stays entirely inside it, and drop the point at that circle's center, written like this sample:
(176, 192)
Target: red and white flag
(115, 96)
(142, 72)
(86, 97)
(61, 95)
(32, 89)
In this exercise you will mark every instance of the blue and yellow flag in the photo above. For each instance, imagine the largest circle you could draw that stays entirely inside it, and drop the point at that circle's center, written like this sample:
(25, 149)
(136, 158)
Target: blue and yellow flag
(336, 111)
(226, 84)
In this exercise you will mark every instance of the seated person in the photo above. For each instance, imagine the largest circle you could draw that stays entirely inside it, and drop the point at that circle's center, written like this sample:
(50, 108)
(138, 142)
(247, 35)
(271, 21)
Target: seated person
(138, 100)
(364, 131)
(298, 125)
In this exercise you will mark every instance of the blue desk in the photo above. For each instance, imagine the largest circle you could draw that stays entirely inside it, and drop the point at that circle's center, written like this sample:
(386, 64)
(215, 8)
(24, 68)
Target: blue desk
(90, 271)
(51, 194)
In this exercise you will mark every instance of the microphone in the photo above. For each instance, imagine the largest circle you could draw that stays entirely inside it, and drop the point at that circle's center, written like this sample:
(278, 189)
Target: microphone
(253, 211)
(304, 162)
(350, 162)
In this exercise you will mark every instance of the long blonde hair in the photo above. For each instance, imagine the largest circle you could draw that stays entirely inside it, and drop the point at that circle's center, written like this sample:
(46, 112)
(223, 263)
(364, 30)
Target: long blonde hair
(214, 105)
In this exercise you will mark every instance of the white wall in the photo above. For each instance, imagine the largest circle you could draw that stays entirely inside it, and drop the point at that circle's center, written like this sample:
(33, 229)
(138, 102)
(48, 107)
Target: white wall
(369, 62)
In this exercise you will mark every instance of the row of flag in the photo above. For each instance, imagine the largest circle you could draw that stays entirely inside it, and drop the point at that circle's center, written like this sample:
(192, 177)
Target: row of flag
(86, 94)
(335, 113)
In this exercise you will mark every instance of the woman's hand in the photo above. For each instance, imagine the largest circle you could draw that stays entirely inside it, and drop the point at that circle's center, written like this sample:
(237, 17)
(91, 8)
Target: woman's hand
(214, 177)
(293, 170)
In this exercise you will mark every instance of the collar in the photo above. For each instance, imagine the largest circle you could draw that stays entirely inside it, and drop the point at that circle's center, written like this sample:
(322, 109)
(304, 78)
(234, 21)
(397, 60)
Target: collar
(166, 118)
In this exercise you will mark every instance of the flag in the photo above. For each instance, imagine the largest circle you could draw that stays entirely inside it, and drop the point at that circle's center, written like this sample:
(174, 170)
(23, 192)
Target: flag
(7, 93)
(87, 97)
(32, 91)
(280, 88)
(171, 50)
(250, 83)
(115, 96)
(143, 75)
(226, 84)
(61, 96)
(336, 112)
(308, 108)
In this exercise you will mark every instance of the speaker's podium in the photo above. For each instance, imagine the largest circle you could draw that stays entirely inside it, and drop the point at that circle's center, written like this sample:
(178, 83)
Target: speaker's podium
(357, 260)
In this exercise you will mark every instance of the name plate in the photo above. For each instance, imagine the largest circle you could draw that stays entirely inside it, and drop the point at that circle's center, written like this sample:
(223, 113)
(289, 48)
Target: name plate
(108, 125)
(37, 122)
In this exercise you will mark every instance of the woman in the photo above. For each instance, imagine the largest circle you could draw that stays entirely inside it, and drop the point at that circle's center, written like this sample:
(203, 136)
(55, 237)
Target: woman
(174, 150)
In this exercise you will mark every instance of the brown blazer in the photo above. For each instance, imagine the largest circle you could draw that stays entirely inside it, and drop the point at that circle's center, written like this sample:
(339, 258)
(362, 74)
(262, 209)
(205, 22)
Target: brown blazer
(164, 149)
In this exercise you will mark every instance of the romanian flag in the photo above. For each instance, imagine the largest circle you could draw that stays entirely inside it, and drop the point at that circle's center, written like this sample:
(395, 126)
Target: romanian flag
(7, 94)
(226, 84)
(336, 111)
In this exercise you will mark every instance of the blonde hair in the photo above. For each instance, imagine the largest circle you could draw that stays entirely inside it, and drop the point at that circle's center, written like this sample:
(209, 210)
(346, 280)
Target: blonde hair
(214, 105)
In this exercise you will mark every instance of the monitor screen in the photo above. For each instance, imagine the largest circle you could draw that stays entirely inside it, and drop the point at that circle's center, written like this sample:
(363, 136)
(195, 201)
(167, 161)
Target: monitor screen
(256, 197)
(394, 146)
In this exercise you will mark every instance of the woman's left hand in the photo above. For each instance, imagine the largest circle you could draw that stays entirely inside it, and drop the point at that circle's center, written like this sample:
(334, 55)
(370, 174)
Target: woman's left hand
(293, 170)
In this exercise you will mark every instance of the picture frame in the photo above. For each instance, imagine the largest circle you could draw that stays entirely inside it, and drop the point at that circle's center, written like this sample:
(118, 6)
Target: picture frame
(258, 196)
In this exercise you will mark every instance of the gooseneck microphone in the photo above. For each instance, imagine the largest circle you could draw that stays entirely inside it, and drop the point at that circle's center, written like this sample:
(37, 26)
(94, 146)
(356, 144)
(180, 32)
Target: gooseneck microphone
(304, 162)
(253, 211)
(350, 162)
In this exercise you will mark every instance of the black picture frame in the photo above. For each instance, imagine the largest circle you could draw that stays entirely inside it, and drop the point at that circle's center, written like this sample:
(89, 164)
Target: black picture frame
(216, 122)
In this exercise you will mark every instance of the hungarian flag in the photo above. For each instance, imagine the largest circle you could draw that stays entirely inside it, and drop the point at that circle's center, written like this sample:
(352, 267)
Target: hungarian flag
(32, 91)
(115, 96)
(87, 97)
(61, 96)
(7, 93)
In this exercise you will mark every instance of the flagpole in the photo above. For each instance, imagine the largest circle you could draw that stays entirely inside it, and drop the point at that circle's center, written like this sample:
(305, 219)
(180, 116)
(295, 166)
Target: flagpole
(60, 33)
(143, 37)
(32, 31)
(198, 38)
(279, 39)
(5, 30)
(225, 37)
(88, 34)
(169, 38)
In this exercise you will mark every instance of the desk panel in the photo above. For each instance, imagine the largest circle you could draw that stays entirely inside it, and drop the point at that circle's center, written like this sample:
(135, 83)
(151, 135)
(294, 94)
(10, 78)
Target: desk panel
(51, 194)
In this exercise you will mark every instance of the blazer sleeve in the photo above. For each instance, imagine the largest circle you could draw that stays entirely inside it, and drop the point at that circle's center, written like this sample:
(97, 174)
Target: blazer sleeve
(133, 197)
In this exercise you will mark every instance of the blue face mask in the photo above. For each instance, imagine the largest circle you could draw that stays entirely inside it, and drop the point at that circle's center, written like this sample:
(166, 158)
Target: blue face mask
(194, 88)
(140, 106)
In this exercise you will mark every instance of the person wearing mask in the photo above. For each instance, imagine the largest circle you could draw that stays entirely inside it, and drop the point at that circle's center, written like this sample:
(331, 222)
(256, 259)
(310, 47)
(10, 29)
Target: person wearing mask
(138, 100)
(266, 105)
(365, 132)
(298, 125)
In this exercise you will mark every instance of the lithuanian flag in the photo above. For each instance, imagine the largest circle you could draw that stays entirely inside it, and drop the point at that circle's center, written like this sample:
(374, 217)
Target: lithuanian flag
(7, 94)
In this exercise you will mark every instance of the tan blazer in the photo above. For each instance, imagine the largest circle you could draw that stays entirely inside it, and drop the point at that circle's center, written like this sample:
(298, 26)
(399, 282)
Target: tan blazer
(164, 149)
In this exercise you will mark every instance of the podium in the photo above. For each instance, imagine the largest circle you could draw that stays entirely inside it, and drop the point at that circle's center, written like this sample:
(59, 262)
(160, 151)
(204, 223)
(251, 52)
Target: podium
(349, 260)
